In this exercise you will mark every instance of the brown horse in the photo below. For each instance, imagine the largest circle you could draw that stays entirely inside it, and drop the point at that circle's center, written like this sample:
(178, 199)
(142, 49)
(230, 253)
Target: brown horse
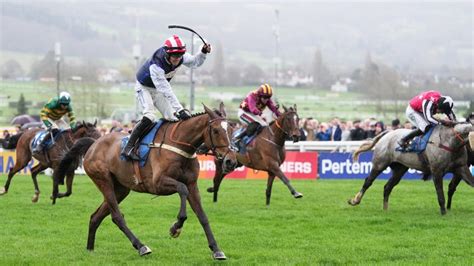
(49, 158)
(171, 168)
(267, 153)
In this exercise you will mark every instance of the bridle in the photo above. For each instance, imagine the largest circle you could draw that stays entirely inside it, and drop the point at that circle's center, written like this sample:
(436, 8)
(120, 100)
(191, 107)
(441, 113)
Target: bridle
(213, 147)
(459, 137)
(280, 126)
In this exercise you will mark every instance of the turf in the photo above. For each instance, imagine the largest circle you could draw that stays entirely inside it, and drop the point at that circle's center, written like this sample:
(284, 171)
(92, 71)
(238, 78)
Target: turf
(320, 228)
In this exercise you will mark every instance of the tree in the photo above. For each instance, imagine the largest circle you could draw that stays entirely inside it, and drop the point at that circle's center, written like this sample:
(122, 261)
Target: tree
(11, 69)
(46, 67)
(218, 71)
(21, 107)
(321, 75)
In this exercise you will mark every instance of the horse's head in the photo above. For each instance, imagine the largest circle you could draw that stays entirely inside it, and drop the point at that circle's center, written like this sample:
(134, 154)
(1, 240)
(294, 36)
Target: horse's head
(86, 129)
(288, 122)
(216, 137)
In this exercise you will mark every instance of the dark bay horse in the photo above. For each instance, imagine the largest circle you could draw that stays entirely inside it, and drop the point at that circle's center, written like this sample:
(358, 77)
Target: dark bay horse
(267, 153)
(49, 158)
(446, 152)
(172, 167)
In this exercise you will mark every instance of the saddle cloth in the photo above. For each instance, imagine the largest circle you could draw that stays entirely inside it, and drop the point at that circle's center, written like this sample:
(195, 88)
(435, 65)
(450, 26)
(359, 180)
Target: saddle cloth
(419, 143)
(40, 135)
(143, 148)
(246, 140)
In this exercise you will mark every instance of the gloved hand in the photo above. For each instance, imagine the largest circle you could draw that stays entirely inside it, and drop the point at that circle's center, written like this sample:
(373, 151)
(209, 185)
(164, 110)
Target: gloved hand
(206, 49)
(73, 125)
(183, 114)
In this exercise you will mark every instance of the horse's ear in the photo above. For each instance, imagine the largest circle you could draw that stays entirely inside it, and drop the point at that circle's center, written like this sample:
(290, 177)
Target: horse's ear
(284, 108)
(294, 106)
(222, 110)
(95, 122)
(211, 113)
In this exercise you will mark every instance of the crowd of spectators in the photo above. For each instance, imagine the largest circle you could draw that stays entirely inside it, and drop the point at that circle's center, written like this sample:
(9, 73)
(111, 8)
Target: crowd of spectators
(337, 130)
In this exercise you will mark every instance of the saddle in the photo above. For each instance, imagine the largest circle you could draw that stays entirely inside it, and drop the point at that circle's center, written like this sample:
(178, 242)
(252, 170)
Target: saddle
(143, 148)
(40, 135)
(244, 142)
(419, 143)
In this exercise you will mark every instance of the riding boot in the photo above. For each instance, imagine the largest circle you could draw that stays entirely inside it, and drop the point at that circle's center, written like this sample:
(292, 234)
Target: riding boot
(403, 142)
(236, 140)
(138, 131)
(40, 147)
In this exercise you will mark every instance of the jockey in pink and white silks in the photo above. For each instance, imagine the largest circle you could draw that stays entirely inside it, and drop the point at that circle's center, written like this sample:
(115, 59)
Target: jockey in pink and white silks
(421, 110)
(153, 90)
(251, 109)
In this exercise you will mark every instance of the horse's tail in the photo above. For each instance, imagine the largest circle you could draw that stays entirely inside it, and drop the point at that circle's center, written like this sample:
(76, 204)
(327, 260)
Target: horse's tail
(71, 159)
(11, 143)
(367, 146)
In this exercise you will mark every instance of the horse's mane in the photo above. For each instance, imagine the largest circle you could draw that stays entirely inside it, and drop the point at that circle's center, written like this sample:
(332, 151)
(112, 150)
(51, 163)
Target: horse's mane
(192, 116)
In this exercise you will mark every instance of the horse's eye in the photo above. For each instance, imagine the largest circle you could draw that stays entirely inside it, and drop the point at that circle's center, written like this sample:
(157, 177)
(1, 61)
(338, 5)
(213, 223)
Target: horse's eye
(215, 131)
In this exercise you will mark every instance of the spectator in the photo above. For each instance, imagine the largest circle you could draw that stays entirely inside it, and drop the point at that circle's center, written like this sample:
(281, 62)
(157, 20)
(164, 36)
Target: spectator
(307, 131)
(371, 130)
(407, 125)
(345, 131)
(323, 133)
(379, 128)
(358, 133)
(395, 124)
(335, 129)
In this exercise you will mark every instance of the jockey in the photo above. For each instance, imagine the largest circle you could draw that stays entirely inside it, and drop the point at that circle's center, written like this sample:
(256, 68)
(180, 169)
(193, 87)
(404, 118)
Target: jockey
(153, 90)
(421, 110)
(251, 109)
(52, 113)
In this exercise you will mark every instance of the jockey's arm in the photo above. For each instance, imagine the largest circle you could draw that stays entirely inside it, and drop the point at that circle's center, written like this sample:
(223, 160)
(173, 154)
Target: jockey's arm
(272, 107)
(163, 86)
(44, 115)
(72, 118)
(253, 106)
(428, 112)
(193, 61)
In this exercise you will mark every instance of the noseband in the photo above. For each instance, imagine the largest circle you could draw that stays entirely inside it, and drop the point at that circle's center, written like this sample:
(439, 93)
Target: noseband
(214, 147)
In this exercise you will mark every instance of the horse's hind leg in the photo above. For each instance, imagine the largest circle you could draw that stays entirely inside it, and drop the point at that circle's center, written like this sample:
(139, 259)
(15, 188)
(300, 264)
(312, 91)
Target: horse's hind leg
(167, 186)
(69, 181)
(105, 185)
(98, 216)
(195, 201)
(23, 157)
(452, 188)
(275, 169)
(398, 171)
(268, 192)
(34, 172)
(374, 173)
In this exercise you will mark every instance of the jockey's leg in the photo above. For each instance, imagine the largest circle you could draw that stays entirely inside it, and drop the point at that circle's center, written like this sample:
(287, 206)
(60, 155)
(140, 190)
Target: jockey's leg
(42, 144)
(138, 131)
(403, 142)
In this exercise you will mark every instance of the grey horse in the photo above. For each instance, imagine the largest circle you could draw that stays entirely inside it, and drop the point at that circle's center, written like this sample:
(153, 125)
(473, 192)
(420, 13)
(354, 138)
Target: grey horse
(446, 152)
(456, 179)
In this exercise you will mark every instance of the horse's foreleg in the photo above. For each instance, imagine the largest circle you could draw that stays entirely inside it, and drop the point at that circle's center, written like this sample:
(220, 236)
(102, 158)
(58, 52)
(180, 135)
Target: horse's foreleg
(398, 172)
(452, 188)
(275, 169)
(218, 177)
(195, 201)
(103, 211)
(367, 183)
(438, 183)
(34, 172)
(167, 186)
(268, 192)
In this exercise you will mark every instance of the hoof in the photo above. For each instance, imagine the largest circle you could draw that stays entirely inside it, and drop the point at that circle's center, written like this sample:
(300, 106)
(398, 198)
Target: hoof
(210, 189)
(35, 198)
(352, 202)
(385, 206)
(3, 191)
(175, 232)
(219, 255)
(297, 195)
(144, 251)
(443, 212)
